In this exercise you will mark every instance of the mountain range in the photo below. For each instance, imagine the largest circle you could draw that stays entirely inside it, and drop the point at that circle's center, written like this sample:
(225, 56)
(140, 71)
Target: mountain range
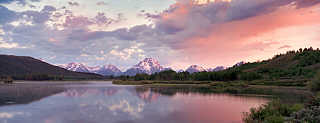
(303, 62)
(106, 70)
(146, 66)
(21, 67)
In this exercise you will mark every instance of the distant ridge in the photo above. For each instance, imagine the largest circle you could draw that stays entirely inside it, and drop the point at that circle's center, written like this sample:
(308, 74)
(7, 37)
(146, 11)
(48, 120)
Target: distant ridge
(195, 69)
(106, 70)
(146, 66)
(22, 66)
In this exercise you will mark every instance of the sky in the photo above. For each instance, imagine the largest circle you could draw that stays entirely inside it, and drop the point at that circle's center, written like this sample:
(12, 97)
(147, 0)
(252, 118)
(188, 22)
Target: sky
(178, 33)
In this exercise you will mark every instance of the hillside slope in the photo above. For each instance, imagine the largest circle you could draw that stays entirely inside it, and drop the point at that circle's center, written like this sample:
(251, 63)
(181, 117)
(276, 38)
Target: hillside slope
(21, 67)
(301, 63)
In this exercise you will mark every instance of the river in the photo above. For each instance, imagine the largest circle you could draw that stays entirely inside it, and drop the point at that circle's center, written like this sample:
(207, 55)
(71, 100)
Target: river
(103, 102)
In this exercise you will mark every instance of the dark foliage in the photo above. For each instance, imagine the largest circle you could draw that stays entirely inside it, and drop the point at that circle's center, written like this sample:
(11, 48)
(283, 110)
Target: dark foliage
(273, 112)
(314, 85)
(293, 64)
(227, 75)
(309, 114)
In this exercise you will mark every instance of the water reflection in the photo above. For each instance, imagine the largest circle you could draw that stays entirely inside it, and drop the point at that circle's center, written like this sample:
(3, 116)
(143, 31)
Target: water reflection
(26, 93)
(104, 102)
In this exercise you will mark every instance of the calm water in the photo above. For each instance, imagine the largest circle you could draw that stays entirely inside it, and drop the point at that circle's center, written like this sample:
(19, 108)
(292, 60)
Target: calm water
(106, 103)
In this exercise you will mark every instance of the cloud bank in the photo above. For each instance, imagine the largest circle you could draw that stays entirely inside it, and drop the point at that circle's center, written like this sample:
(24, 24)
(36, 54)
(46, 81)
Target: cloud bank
(219, 32)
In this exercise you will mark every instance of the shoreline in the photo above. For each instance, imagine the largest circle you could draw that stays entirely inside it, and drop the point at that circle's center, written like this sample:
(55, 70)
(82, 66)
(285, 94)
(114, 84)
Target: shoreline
(234, 87)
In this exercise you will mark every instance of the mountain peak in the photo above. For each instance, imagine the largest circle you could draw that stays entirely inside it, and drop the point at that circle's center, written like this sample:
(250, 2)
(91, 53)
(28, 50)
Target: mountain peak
(195, 68)
(79, 67)
(22, 65)
(148, 66)
(106, 70)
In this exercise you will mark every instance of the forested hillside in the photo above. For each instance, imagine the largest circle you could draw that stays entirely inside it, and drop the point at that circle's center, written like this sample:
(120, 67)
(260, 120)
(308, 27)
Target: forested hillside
(28, 68)
(301, 64)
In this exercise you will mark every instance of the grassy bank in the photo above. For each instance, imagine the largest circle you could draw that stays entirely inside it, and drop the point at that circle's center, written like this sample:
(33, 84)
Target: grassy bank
(155, 82)
(277, 112)
(279, 82)
(279, 87)
(235, 87)
(289, 96)
(273, 112)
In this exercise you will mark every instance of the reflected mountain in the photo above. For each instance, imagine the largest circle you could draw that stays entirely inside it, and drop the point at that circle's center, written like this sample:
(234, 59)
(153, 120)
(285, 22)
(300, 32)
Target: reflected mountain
(104, 102)
(147, 95)
(85, 92)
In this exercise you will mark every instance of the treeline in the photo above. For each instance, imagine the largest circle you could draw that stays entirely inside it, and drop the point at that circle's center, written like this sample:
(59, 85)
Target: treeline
(303, 63)
(226, 75)
(308, 57)
(300, 63)
(293, 64)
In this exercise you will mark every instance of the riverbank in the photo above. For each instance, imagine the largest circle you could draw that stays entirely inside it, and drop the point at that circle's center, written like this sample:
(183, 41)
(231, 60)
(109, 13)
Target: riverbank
(235, 87)
(288, 93)
(264, 87)
(279, 82)
(289, 96)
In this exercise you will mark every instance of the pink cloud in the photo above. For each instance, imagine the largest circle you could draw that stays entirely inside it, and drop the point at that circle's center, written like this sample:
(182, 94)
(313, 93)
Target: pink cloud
(219, 38)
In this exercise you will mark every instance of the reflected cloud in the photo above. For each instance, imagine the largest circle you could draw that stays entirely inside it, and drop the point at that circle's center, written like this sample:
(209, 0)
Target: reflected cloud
(85, 92)
(125, 106)
(104, 102)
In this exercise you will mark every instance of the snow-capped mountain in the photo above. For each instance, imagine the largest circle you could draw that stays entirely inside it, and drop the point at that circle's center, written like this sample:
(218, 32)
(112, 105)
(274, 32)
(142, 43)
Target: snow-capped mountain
(195, 68)
(148, 66)
(219, 68)
(106, 70)
(78, 67)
